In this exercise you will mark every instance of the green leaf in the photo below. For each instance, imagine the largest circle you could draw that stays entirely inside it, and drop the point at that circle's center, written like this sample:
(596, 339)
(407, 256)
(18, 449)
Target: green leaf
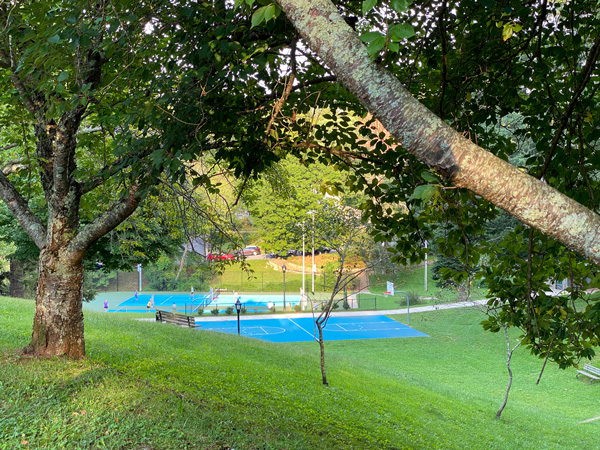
(424, 192)
(375, 46)
(54, 39)
(63, 76)
(269, 12)
(259, 16)
(429, 177)
(401, 31)
(368, 5)
(370, 36)
(400, 5)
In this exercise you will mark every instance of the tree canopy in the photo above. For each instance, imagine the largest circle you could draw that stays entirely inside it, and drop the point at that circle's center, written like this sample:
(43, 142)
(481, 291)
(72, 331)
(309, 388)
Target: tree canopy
(101, 102)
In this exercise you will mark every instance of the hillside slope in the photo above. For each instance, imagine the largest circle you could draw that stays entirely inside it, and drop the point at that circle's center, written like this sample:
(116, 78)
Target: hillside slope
(153, 386)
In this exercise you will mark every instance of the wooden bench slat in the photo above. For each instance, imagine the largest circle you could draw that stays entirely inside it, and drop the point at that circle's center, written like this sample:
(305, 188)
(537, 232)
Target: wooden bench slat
(178, 319)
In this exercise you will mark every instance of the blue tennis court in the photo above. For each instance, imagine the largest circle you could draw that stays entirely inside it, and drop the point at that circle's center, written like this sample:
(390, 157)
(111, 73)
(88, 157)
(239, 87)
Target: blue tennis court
(186, 303)
(303, 329)
(181, 302)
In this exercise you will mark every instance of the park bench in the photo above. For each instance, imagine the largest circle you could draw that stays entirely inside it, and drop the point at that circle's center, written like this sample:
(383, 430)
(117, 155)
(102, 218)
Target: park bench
(176, 318)
(589, 371)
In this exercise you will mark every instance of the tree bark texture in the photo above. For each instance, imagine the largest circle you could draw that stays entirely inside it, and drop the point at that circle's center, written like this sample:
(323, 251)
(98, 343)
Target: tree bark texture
(58, 320)
(432, 141)
(322, 347)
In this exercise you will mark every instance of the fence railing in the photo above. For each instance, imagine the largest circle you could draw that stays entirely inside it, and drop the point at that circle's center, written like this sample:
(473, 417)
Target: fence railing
(264, 281)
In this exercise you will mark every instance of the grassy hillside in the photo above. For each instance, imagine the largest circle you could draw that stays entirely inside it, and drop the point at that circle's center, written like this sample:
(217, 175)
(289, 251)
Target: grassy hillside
(152, 386)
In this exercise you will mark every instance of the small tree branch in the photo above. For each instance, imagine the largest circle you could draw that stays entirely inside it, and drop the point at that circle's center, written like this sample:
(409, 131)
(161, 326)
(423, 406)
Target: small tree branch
(110, 170)
(8, 147)
(32, 225)
(106, 222)
(13, 166)
(587, 71)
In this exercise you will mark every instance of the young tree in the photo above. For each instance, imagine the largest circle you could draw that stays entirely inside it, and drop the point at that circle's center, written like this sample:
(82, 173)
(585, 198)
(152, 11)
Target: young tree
(341, 228)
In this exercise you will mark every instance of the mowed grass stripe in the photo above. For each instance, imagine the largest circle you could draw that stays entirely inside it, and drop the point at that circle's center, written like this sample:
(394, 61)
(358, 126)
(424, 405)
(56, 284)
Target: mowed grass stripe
(146, 384)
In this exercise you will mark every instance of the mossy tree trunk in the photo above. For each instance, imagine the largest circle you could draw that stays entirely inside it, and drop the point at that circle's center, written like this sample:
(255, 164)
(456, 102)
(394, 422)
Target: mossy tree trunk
(435, 143)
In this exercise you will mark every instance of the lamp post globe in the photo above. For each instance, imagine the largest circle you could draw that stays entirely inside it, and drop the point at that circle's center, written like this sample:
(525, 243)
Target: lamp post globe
(238, 308)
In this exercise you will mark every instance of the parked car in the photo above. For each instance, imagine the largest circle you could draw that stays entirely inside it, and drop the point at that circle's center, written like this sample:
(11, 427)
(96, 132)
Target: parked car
(222, 256)
(248, 250)
(323, 250)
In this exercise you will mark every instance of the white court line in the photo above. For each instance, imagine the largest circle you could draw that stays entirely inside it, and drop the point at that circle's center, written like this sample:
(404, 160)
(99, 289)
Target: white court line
(165, 301)
(309, 333)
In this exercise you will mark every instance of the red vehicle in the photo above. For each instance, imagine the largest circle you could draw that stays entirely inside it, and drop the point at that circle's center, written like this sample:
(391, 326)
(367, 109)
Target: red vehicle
(216, 256)
(249, 250)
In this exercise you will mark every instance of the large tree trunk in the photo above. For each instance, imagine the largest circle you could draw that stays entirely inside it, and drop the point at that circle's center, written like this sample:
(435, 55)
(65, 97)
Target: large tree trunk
(426, 136)
(58, 321)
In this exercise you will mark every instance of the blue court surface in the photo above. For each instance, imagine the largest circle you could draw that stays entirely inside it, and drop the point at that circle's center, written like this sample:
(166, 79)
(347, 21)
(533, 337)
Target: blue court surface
(184, 303)
(303, 329)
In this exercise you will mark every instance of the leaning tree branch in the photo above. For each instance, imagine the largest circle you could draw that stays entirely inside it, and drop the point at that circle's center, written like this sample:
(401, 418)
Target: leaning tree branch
(433, 141)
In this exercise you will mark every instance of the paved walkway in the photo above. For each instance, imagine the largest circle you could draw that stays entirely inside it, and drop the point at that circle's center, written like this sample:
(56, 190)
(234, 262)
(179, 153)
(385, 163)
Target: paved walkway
(386, 312)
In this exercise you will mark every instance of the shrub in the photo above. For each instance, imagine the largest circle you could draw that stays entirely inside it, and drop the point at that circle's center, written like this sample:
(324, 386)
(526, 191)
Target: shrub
(215, 312)
(413, 299)
(297, 308)
(345, 305)
(229, 310)
(243, 310)
(200, 311)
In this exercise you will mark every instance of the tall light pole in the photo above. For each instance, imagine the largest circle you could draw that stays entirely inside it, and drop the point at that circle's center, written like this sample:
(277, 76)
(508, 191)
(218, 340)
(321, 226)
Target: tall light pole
(303, 263)
(425, 265)
(283, 269)
(139, 269)
(312, 213)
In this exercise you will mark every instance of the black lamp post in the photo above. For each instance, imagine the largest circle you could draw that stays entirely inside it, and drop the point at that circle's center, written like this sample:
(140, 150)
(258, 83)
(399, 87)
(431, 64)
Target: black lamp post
(283, 269)
(238, 308)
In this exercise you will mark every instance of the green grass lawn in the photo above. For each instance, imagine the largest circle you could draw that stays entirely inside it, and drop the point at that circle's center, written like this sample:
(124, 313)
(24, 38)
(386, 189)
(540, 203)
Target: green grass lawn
(153, 386)
(265, 279)
(412, 280)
